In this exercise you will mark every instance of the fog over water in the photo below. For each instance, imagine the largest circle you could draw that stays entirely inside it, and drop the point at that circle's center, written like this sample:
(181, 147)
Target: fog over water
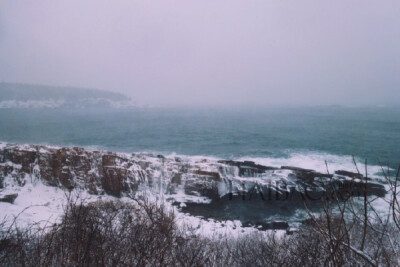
(208, 53)
(234, 115)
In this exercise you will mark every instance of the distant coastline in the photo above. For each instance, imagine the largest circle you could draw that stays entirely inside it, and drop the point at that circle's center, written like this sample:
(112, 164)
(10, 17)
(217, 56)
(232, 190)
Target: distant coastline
(18, 95)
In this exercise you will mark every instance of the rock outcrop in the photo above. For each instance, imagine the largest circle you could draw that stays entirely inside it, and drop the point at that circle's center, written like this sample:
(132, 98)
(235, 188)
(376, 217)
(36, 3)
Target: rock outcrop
(225, 184)
(248, 168)
(9, 198)
(349, 174)
(69, 168)
(117, 174)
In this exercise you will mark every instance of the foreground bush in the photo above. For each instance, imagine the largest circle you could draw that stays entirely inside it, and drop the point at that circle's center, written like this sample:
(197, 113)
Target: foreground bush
(347, 233)
(120, 234)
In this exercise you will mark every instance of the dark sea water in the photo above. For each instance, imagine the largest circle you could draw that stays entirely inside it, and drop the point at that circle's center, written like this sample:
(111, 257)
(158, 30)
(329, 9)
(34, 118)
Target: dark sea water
(366, 133)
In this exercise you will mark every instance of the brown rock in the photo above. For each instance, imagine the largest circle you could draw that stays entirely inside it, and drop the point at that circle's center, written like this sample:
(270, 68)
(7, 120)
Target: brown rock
(112, 181)
(177, 179)
(25, 158)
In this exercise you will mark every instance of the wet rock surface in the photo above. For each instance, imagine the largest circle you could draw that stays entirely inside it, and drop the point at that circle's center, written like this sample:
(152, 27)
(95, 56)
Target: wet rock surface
(8, 198)
(248, 168)
(349, 174)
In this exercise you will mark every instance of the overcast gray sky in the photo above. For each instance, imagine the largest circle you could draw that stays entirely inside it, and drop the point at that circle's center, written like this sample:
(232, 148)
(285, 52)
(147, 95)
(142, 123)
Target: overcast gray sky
(208, 52)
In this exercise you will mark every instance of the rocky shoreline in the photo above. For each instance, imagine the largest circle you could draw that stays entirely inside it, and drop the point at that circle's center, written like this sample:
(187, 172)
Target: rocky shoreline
(217, 189)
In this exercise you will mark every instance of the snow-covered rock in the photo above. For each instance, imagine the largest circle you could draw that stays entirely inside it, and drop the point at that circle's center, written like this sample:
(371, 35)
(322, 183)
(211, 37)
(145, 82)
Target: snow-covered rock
(207, 187)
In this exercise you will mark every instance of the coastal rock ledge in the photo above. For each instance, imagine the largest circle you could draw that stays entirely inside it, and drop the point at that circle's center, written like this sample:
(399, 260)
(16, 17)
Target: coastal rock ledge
(189, 180)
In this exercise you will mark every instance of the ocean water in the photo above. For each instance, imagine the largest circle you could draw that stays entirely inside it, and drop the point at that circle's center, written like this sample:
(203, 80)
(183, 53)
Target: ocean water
(301, 136)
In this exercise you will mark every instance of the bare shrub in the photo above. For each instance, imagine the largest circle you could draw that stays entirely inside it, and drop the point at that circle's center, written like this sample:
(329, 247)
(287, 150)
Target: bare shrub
(347, 233)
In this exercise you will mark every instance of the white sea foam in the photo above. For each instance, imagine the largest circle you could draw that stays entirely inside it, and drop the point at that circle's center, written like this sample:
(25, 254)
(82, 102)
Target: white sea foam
(316, 161)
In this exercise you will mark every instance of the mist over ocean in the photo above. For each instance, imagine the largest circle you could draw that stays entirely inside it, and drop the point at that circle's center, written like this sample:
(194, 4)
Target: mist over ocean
(323, 133)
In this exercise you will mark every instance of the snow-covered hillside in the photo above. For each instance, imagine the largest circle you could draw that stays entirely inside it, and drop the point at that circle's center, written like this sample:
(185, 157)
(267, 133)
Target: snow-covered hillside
(39, 96)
